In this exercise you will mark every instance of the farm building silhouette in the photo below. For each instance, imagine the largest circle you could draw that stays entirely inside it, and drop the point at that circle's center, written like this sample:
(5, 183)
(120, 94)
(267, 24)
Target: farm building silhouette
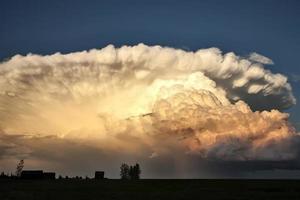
(37, 174)
(99, 174)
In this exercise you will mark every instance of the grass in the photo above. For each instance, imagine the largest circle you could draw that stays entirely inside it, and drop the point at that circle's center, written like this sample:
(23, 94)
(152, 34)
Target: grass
(149, 189)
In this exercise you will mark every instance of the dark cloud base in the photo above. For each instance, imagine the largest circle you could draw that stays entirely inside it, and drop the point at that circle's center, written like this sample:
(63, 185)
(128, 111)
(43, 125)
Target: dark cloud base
(73, 158)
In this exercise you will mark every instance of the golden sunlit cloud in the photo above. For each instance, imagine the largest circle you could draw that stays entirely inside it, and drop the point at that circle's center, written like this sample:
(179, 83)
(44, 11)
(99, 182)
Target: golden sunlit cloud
(154, 100)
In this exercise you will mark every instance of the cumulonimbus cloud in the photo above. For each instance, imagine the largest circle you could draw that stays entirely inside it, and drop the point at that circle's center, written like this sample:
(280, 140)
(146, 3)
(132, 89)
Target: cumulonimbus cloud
(204, 103)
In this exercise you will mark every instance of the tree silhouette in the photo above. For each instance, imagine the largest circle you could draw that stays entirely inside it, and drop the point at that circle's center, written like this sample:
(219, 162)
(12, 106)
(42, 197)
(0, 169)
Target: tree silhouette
(124, 171)
(137, 171)
(130, 172)
(19, 168)
(3, 175)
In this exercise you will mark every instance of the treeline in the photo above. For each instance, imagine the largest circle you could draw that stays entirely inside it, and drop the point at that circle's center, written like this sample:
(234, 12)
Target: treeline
(7, 176)
(130, 172)
(13, 176)
(17, 174)
(127, 172)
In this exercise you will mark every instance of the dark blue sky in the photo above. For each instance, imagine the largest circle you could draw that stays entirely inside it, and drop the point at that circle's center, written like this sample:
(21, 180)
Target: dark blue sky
(269, 27)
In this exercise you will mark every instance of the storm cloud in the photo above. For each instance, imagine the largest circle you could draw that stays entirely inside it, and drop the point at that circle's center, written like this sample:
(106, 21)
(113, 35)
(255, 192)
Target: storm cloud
(147, 104)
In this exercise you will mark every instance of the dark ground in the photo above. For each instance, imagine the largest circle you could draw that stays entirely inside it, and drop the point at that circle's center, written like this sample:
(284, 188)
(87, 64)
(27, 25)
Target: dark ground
(150, 189)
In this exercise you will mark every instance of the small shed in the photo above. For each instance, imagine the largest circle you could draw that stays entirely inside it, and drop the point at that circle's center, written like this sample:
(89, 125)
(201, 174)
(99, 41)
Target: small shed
(99, 174)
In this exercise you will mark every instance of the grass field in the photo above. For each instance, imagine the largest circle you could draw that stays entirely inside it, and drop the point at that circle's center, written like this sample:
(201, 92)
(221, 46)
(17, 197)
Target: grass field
(150, 189)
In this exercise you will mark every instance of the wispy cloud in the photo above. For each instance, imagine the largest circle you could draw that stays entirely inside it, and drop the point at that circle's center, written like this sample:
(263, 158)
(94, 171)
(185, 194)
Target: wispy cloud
(255, 57)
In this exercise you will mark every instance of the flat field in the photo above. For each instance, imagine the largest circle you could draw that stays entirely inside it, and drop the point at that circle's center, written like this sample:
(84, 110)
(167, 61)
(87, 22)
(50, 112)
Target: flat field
(153, 189)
